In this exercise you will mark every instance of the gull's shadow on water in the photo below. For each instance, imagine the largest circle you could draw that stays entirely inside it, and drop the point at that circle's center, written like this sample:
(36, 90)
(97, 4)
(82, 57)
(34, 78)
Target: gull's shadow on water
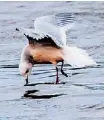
(29, 94)
(46, 83)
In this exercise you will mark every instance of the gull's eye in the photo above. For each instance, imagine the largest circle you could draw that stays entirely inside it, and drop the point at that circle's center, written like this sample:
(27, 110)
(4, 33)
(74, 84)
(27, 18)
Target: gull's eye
(27, 71)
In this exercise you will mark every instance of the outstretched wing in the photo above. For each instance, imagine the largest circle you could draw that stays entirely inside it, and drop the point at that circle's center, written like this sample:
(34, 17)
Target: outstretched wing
(48, 25)
(34, 37)
(47, 32)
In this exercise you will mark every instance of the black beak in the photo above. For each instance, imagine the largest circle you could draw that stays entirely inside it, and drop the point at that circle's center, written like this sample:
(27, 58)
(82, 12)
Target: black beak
(26, 81)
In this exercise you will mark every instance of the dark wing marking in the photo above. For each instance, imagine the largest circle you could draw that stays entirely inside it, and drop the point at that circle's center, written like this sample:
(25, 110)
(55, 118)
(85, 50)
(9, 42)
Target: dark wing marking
(46, 40)
(35, 38)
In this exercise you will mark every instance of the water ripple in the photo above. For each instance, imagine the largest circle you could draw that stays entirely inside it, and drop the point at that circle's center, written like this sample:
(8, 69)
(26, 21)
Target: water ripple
(99, 106)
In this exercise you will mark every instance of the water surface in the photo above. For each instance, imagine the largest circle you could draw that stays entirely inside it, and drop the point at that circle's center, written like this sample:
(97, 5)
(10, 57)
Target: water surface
(78, 97)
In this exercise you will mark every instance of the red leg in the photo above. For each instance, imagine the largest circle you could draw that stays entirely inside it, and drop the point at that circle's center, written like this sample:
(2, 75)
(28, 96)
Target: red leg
(57, 78)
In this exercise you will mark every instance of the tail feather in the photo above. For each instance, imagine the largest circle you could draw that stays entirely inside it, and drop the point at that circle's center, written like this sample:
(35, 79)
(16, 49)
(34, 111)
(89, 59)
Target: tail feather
(77, 57)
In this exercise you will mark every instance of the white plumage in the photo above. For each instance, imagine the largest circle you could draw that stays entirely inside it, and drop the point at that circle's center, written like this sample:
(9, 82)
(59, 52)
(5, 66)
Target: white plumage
(77, 57)
(47, 44)
(44, 27)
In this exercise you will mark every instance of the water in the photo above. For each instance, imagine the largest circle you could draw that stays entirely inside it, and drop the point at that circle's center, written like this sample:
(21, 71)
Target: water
(78, 97)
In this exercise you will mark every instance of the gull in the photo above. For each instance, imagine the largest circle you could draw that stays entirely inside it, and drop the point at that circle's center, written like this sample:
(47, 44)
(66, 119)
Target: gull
(47, 45)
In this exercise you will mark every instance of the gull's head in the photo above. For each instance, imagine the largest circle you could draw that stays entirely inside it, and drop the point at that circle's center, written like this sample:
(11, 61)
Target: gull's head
(25, 69)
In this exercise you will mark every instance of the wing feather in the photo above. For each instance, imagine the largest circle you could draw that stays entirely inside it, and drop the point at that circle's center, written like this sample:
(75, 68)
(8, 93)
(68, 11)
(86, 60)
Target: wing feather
(34, 37)
(44, 25)
(49, 25)
(47, 31)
